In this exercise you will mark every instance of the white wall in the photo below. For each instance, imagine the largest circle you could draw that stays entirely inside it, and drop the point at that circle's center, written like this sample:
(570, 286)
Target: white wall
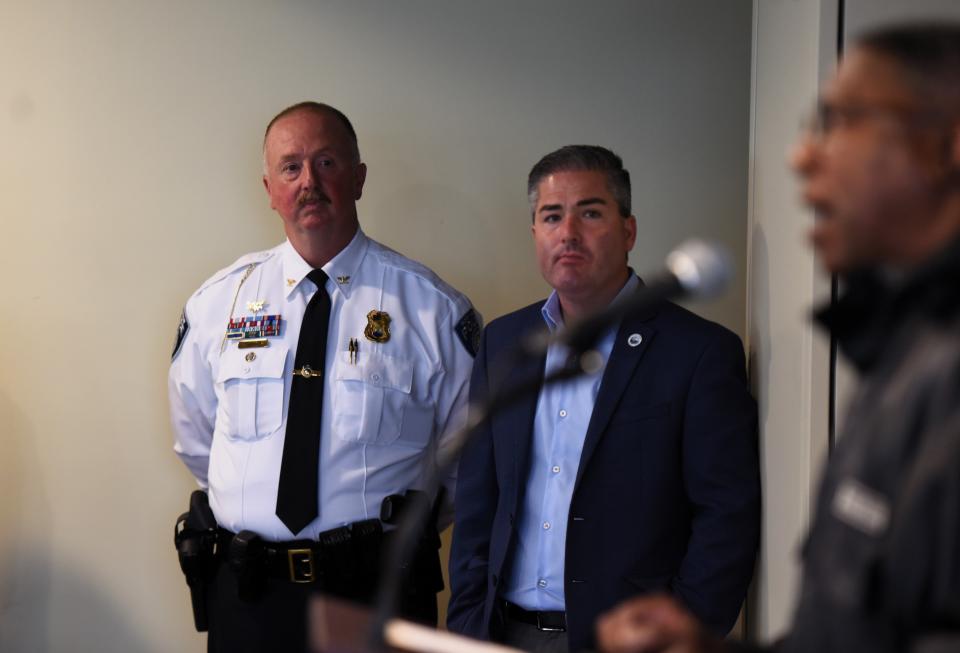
(130, 139)
(794, 46)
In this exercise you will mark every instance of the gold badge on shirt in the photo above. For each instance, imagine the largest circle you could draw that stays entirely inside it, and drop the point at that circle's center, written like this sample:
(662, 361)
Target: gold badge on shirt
(378, 326)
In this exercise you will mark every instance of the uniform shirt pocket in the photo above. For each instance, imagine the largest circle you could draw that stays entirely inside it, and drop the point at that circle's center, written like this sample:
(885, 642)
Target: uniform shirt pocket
(374, 402)
(252, 384)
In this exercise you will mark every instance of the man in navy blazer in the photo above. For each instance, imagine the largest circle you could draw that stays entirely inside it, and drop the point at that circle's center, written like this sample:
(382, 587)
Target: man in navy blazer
(640, 478)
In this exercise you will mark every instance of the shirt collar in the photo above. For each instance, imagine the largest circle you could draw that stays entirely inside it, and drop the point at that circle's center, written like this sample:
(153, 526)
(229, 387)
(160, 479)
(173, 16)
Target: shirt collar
(341, 269)
(876, 303)
(553, 316)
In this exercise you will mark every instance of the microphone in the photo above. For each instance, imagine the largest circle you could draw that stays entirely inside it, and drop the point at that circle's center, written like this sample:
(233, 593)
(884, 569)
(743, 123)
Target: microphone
(696, 269)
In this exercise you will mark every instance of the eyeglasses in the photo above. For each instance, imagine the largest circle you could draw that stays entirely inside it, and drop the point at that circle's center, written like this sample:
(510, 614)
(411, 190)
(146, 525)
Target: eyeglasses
(827, 118)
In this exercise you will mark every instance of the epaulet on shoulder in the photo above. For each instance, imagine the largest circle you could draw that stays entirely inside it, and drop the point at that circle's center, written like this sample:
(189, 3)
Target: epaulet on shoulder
(237, 267)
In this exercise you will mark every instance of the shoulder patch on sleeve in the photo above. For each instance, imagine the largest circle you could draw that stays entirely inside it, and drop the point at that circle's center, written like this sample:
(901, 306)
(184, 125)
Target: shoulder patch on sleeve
(468, 330)
(181, 334)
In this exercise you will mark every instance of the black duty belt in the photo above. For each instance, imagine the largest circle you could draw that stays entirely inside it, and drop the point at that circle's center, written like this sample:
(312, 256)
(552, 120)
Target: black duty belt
(550, 622)
(305, 561)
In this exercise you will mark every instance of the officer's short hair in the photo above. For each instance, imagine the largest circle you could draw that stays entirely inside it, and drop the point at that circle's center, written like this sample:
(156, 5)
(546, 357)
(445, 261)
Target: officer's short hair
(929, 54)
(318, 108)
(591, 158)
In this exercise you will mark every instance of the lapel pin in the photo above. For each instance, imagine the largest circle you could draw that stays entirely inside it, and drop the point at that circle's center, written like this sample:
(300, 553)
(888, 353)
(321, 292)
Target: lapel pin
(634, 339)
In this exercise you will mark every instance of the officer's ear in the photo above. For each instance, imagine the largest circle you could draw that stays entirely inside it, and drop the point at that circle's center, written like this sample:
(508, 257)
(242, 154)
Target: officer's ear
(359, 178)
(266, 186)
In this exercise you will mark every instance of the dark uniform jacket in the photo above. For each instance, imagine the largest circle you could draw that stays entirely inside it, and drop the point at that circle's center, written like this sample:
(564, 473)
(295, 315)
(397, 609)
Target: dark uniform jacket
(882, 561)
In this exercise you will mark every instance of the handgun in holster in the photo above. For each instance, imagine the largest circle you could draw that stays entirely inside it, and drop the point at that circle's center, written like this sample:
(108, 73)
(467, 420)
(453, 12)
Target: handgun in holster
(195, 536)
(426, 575)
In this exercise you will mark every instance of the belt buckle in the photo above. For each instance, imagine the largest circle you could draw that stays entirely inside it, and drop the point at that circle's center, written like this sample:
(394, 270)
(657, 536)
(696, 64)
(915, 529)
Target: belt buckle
(548, 629)
(301, 565)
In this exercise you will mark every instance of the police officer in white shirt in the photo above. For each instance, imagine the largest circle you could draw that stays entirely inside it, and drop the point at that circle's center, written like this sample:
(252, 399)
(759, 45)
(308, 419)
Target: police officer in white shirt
(398, 353)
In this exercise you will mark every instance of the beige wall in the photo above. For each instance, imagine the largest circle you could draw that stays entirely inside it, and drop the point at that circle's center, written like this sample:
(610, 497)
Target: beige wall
(130, 166)
(794, 46)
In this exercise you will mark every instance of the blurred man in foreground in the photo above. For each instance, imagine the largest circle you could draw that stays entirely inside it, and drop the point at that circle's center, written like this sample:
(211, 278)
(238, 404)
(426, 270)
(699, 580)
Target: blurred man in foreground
(881, 167)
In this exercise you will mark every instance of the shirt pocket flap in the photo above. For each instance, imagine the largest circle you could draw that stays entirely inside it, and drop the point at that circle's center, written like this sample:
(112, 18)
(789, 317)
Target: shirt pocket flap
(266, 362)
(377, 370)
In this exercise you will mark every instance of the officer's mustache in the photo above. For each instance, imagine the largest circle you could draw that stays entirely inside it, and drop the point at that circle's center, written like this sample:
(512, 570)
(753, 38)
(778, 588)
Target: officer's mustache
(311, 197)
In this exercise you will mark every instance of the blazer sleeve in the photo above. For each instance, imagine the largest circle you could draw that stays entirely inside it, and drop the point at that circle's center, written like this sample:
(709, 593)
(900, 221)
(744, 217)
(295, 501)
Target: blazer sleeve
(722, 481)
(475, 506)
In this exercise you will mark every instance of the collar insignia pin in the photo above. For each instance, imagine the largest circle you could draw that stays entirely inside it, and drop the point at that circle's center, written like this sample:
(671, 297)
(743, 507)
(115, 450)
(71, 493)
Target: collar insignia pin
(343, 280)
(291, 282)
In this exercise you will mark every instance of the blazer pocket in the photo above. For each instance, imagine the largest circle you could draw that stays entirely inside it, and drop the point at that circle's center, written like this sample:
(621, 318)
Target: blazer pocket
(633, 413)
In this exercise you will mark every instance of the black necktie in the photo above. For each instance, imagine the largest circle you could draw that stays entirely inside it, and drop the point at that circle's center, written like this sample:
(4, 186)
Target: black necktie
(297, 491)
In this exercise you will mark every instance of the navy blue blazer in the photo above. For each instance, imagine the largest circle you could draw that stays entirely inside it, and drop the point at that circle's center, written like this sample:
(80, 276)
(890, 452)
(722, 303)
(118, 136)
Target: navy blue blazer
(667, 494)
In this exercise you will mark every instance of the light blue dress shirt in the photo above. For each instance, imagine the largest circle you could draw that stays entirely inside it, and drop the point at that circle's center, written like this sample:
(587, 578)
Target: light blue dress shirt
(535, 581)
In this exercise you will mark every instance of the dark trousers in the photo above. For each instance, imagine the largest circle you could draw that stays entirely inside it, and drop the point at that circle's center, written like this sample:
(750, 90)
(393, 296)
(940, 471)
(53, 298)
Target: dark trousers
(277, 620)
(528, 638)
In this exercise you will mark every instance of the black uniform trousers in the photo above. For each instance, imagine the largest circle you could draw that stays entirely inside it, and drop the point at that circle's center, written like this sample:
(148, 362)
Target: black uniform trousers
(276, 621)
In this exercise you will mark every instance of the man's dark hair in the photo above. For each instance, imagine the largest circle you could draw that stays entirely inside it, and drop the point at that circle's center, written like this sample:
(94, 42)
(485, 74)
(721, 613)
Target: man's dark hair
(578, 158)
(929, 54)
(321, 109)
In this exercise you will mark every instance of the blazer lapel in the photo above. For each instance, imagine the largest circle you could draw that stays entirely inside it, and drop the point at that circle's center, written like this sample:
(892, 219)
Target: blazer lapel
(624, 358)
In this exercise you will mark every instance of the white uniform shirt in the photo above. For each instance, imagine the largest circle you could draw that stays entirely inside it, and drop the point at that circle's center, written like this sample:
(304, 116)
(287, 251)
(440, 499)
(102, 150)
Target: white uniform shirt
(383, 416)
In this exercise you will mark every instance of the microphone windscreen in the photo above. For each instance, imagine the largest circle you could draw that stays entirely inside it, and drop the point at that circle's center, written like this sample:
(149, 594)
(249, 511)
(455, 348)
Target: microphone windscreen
(703, 269)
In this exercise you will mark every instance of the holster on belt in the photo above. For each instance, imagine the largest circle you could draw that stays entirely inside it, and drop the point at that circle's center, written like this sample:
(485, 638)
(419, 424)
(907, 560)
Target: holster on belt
(424, 573)
(195, 537)
(247, 558)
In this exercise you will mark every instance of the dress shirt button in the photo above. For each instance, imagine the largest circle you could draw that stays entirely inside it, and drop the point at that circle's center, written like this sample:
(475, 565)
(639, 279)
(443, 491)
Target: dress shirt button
(541, 583)
(375, 377)
(246, 369)
(546, 525)
(556, 469)
(563, 412)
